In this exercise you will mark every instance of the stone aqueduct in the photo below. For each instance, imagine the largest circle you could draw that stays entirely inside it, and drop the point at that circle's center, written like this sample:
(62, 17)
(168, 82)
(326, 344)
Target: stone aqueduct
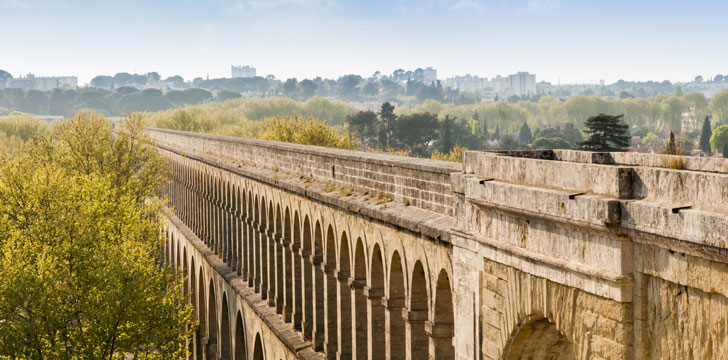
(298, 252)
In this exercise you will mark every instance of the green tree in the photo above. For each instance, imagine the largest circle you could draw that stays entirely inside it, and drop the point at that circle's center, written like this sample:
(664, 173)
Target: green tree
(510, 142)
(308, 87)
(290, 87)
(719, 138)
(705, 136)
(416, 131)
(551, 143)
(606, 133)
(80, 238)
(719, 106)
(4, 77)
(370, 89)
(496, 134)
(386, 128)
(364, 124)
(524, 135)
(297, 130)
(447, 139)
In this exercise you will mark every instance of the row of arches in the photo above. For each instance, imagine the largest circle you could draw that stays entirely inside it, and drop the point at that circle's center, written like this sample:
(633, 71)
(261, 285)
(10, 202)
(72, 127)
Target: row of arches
(221, 333)
(350, 296)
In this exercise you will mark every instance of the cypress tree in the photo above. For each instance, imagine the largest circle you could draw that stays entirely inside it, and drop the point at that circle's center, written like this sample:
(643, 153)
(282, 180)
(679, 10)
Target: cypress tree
(705, 136)
(496, 135)
(525, 135)
(606, 133)
(725, 150)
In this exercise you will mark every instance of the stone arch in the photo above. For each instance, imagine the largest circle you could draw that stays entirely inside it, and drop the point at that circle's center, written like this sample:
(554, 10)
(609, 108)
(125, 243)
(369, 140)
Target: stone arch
(395, 303)
(278, 252)
(226, 347)
(212, 324)
(307, 279)
(297, 274)
(258, 350)
(185, 290)
(201, 316)
(270, 275)
(262, 267)
(361, 327)
(378, 316)
(538, 338)
(442, 331)
(418, 313)
(345, 319)
(332, 320)
(317, 259)
(241, 348)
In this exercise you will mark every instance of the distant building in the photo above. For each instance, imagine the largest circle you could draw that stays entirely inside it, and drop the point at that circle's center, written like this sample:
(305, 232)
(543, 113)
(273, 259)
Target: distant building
(242, 71)
(466, 83)
(522, 84)
(42, 83)
(429, 75)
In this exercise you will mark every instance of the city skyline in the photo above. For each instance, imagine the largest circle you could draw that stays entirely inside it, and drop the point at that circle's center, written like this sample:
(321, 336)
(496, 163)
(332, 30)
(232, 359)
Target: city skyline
(306, 38)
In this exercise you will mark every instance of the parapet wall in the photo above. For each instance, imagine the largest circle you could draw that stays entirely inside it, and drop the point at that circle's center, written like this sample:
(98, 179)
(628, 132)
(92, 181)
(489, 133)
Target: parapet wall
(422, 183)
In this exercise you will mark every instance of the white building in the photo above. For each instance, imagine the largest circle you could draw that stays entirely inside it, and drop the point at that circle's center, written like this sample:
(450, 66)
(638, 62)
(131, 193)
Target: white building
(429, 75)
(466, 83)
(246, 71)
(42, 83)
(522, 84)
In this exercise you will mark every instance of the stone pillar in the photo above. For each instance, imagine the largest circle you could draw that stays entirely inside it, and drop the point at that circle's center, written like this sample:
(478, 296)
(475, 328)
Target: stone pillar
(419, 345)
(307, 297)
(345, 315)
(289, 282)
(378, 331)
(319, 326)
(440, 337)
(360, 323)
(272, 264)
(263, 263)
(330, 306)
(396, 342)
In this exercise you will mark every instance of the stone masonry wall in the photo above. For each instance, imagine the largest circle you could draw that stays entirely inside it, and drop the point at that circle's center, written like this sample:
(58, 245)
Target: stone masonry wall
(422, 183)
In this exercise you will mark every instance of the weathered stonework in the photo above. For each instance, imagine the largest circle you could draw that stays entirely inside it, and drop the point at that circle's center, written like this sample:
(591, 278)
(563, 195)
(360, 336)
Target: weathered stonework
(325, 253)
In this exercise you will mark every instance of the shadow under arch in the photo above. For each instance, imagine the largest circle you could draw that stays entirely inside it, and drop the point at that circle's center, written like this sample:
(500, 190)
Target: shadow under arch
(537, 338)
(258, 350)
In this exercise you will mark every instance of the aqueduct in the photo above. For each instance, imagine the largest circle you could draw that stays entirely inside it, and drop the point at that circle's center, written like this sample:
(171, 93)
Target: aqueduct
(300, 252)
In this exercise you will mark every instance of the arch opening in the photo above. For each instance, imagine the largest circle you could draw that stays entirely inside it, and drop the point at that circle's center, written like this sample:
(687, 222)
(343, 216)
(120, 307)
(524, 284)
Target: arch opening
(241, 350)
(258, 351)
(226, 343)
(395, 303)
(418, 313)
(539, 339)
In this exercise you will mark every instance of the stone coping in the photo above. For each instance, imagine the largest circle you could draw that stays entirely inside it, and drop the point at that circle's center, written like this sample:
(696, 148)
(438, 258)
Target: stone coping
(406, 218)
(435, 166)
(690, 163)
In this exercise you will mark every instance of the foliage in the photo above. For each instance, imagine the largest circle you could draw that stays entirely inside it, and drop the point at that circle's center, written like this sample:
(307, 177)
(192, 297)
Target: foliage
(80, 242)
(524, 135)
(551, 143)
(705, 136)
(455, 155)
(509, 142)
(719, 106)
(606, 133)
(416, 131)
(296, 129)
(719, 138)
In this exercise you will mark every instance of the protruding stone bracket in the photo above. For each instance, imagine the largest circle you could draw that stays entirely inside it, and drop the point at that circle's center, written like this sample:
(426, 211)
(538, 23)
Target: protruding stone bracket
(439, 330)
(482, 182)
(676, 210)
(574, 195)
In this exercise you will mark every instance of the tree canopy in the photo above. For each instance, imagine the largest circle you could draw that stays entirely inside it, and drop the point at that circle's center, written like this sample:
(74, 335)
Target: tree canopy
(80, 275)
(606, 133)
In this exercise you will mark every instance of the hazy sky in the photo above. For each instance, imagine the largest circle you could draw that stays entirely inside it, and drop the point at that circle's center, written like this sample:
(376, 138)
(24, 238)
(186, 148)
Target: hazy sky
(570, 40)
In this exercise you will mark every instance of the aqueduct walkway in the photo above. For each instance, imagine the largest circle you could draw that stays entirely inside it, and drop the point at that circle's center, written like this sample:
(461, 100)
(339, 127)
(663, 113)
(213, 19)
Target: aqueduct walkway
(297, 252)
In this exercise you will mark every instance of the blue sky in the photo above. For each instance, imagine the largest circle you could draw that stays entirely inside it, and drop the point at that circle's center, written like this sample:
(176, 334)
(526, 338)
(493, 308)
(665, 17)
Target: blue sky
(566, 40)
